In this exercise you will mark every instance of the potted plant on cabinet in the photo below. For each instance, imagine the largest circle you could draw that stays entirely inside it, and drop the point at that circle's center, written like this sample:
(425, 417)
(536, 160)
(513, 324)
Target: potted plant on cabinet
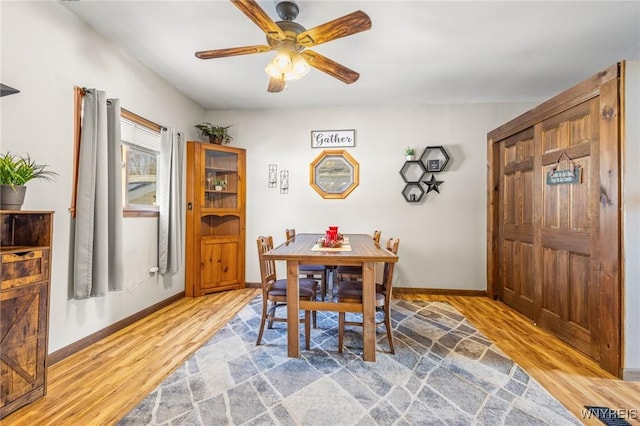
(410, 153)
(15, 172)
(216, 134)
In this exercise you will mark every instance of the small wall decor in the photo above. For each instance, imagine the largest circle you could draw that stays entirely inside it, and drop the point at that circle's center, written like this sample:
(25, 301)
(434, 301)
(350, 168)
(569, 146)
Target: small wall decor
(433, 159)
(333, 138)
(410, 153)
(284, 181)
(432, 184)
(273, 175)
(6, 90)
(572, 175)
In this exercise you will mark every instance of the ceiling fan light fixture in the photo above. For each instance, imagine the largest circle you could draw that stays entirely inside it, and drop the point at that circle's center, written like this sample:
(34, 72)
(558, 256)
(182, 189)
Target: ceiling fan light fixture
(273, 70)
(289, 65)
(283, 60)
(300, 66)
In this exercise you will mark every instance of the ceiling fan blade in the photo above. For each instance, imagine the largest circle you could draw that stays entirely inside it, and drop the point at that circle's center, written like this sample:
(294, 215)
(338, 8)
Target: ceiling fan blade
(352, 23)
(232, 51)
(330, 67)
(275, 85)
(260, 18)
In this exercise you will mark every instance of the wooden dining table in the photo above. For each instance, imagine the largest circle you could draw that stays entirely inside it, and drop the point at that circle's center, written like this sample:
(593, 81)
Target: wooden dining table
(358, 250)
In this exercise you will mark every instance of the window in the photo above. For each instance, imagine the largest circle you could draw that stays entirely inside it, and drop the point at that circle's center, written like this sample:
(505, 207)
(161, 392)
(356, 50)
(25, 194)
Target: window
(140, 149)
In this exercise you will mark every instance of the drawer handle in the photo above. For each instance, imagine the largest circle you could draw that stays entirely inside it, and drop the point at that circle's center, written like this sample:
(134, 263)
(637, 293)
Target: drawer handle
(25, 254)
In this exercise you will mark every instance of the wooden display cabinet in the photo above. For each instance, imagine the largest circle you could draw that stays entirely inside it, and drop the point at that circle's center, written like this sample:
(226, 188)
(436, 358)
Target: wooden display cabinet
(25, 250)
(215, 232)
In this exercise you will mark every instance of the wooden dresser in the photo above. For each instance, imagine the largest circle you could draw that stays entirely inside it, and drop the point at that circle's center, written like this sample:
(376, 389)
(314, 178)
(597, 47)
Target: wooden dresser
(25, 253)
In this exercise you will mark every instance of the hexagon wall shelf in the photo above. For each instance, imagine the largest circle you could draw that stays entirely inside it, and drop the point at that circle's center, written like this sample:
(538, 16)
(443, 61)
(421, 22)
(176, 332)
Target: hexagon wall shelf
(413, 192)
(412, 171)
(434, 158)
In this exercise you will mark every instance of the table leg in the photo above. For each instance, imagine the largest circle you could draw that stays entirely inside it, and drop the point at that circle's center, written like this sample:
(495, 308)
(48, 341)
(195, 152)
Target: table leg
(293, 309)
(369, 311)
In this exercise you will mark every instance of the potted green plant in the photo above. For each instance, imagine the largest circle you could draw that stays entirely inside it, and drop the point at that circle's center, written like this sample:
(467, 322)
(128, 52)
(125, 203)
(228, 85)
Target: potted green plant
(15, 172)
(410, 153)
(216, 134)
(220, 184)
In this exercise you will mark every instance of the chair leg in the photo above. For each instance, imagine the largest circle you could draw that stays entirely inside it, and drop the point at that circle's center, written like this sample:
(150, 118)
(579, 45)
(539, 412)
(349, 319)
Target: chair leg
(323, 284)
(315, 319)
(387, 323)
(271, 312)
(262, 321)
(340, 330)
(307, 330)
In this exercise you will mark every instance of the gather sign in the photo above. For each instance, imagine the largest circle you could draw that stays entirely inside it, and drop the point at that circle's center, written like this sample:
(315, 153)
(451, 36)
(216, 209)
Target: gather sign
(332, 138)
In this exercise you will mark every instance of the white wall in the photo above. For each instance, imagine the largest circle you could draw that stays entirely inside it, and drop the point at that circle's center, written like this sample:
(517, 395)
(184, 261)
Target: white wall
(442, 239)
(46, 51)
(631, 194)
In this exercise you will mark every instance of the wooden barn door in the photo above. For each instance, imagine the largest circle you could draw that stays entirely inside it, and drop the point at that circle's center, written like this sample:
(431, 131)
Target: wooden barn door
(554, 246)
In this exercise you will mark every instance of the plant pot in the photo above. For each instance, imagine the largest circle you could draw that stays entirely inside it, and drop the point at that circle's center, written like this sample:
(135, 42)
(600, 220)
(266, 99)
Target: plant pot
(218, 188)
(215, 139)
(410, 157)
(12, 198)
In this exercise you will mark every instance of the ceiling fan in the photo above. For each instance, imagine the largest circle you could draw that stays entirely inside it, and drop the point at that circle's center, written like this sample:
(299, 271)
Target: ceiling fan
(291, 40)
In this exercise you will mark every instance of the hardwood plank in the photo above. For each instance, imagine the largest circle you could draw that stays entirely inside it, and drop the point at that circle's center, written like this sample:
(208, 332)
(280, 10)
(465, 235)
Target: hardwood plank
(99, 385)
(103, 382)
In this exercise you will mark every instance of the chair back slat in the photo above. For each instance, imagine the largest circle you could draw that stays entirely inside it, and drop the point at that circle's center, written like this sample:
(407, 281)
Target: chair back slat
(289, 234)
(267, 267)
(387, 275)
(376, 236)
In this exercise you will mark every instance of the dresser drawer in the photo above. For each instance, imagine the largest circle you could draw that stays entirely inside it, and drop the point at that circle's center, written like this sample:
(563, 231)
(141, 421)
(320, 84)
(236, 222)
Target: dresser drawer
(21, 268)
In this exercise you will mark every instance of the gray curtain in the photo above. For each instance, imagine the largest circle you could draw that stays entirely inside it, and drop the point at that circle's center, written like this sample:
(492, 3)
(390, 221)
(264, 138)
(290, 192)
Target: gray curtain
(170, 202)
(97, 245)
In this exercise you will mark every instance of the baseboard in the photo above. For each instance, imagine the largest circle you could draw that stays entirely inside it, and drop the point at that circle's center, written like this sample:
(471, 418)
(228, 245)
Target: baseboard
(252, 285)
(631, 374)
(62, 353)
(440, 291)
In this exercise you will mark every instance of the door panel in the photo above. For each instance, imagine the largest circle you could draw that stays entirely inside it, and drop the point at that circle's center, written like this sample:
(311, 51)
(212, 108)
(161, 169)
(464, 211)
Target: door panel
(516, 223)
(570, 255)
(219, 264)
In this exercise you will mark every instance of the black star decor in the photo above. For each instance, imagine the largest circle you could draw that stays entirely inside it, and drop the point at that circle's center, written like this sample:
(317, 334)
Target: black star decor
(432, 184)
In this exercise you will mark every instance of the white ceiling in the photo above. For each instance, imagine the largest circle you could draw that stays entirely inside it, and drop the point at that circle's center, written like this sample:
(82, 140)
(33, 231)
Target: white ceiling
(416, 53)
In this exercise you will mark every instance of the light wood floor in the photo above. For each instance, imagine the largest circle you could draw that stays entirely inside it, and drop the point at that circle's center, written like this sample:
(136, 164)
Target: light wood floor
(100, 384)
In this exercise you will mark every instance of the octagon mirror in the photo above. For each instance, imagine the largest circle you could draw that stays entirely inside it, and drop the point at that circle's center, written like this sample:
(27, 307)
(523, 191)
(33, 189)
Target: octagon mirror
(334, 173)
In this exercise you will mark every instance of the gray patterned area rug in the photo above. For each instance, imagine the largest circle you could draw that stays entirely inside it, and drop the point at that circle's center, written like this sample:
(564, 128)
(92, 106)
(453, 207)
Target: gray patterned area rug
(444, 372)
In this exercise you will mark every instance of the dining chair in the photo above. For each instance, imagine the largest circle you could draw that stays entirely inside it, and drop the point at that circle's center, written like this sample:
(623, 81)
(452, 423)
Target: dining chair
(274, 292)
(353, 273)
(351, 292)
(311, 271)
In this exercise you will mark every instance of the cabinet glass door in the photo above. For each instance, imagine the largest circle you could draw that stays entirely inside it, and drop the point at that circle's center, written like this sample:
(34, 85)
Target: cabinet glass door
(220, 180)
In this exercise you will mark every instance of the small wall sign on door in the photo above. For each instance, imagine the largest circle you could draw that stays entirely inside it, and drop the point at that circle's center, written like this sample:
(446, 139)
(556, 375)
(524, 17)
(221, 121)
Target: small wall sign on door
(333, 138)
(565, 176)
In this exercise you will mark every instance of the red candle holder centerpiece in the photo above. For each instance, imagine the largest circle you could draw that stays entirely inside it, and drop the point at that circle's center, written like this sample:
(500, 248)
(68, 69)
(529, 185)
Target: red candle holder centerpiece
(332, 238)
